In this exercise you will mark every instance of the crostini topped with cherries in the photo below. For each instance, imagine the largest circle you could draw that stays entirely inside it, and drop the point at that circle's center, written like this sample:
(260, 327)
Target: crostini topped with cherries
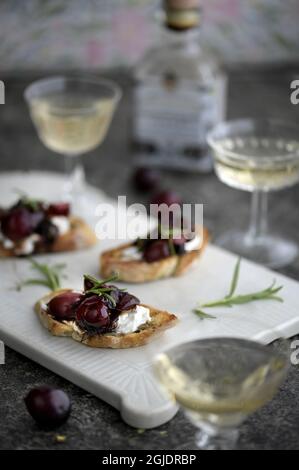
(32, 226)
(154, 257)
(102, 316)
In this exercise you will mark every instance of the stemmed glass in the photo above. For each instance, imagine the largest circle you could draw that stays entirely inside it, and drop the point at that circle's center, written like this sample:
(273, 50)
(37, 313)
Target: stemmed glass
(219, 382)
(258, 156)
(72, 116)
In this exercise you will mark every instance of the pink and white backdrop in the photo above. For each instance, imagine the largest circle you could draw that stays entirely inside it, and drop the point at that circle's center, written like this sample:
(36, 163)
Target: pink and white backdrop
(101, 33)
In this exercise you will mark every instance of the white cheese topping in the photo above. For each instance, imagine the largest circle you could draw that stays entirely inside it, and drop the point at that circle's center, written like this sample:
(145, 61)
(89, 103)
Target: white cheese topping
(130, 320)
(62, 223)
(27, 245)
(193, 244)
(131, 253)
(7, 243)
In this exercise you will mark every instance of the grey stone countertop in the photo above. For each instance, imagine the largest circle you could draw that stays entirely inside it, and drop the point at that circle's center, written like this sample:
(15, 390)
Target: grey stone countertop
(93, 424)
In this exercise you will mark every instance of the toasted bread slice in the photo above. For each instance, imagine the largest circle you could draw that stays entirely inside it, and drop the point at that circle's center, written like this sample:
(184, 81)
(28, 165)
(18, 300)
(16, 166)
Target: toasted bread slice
(160, 321)
(138, 271)
(78, 237)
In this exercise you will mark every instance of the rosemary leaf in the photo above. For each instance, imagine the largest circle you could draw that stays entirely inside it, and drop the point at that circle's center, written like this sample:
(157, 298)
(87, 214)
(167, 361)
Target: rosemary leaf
(97, 282)
(98, 288)
(235, 279)
(202, 315)
(108, 296)
(171, 247)
(31, 282)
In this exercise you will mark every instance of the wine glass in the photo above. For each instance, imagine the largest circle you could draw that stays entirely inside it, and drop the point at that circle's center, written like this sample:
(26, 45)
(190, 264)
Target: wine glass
(259, 156)
(219, 382)
(72, 116)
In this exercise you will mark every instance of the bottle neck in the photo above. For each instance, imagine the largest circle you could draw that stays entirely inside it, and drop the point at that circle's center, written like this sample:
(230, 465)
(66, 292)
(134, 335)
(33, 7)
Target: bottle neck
(187, 40)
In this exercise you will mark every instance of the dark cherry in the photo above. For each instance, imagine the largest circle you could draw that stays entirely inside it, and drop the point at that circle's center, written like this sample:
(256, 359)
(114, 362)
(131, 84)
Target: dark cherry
(126, 301)
(2, 213)
(17, 224)
(93, 312)
(179, 245)
(158, 249)
(88, 284)
(59, 208)
(48, 406)
(63, 306)
(166, 197)
(48, 231)
(115, 293)
(146, 179)
(36, 218)
(179, 240)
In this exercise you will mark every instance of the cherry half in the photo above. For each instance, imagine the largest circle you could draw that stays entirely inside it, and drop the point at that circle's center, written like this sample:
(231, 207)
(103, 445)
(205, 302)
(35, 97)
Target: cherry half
(93, 313)
(48, 406)
(126, 301)
(63, 306)
(157, 250)
(48, 231)
(19, 223)
(59, 208)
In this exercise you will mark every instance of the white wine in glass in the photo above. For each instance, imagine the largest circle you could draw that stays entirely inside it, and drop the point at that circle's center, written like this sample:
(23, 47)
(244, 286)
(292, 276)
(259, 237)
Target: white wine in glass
(219, 382)
(259, 156)
(72, 117)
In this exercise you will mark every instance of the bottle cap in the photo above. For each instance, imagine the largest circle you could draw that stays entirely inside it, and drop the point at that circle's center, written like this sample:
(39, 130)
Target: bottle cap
(182, 4)
(182, 14)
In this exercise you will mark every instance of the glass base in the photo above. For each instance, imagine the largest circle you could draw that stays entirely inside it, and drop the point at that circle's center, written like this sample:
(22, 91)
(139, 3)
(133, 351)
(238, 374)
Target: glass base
(271, 251)
(204, 440)
(224, 440)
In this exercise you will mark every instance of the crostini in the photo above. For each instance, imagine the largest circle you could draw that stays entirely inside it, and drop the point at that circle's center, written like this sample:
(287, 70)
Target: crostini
(31, 226)
(150, 259)
(102, 316)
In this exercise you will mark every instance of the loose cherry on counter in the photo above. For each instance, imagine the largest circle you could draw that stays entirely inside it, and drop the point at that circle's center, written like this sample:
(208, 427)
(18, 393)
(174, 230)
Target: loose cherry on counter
(146, 179)
(48, 406)
(166, 197)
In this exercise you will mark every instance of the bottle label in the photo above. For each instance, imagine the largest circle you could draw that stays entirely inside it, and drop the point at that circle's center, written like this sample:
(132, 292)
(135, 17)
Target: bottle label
(178, 116)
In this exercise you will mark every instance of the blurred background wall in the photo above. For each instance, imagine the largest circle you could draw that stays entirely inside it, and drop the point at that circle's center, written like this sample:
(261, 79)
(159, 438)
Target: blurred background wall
(101, 33)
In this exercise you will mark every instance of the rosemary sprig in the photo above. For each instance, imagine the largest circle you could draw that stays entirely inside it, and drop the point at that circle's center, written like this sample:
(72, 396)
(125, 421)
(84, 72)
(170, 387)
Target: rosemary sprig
(30, 202)
(266, 294)
(171, 247)
(270, 293)
(50, 276)
(100, 288)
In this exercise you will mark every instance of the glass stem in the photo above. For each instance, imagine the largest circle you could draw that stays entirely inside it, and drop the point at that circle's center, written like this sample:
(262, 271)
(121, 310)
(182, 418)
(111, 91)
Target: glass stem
(75, 178)
(259, 215)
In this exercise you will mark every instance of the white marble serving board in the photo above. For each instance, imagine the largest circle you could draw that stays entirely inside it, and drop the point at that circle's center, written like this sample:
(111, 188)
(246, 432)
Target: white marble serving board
(124, 378)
